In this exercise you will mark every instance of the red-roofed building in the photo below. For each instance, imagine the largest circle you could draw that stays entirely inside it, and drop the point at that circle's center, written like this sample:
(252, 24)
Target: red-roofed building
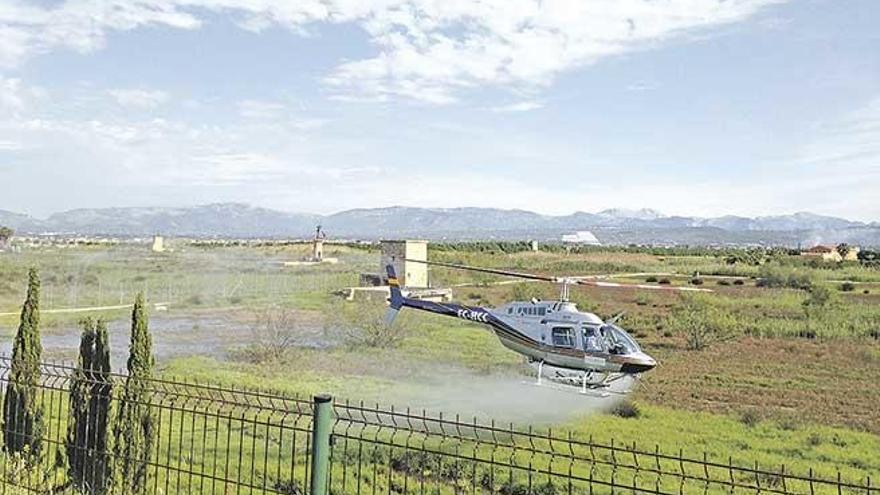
(826, 253)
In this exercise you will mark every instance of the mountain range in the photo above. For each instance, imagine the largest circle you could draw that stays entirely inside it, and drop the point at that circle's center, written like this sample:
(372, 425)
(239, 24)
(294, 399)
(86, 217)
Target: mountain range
(610, 226)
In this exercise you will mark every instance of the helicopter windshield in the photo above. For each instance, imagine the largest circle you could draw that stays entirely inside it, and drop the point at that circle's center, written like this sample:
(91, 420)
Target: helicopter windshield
(619, 342)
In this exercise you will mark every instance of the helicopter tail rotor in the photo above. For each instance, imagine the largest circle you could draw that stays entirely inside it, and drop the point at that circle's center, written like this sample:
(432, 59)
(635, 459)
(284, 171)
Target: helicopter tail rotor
(396, 300)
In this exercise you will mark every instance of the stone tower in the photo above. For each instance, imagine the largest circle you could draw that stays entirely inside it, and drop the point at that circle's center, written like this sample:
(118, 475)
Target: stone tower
(158, 244)
(318, 245)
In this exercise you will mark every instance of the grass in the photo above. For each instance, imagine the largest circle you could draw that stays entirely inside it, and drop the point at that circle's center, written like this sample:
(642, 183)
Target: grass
(724, 437)
(191, 278)
(795, 387)
(831, 383)
(770, 440)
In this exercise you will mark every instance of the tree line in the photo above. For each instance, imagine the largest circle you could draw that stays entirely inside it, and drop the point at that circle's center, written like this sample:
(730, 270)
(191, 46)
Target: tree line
(755, 255)
(100, 428)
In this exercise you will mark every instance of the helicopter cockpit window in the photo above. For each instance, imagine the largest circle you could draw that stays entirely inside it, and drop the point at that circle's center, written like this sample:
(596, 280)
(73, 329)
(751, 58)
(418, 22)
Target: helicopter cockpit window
(619, 342)
(563, 336)
(593, 341)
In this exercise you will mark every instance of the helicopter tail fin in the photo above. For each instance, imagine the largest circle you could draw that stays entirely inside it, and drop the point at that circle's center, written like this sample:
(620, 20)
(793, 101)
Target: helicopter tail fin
(396, 299)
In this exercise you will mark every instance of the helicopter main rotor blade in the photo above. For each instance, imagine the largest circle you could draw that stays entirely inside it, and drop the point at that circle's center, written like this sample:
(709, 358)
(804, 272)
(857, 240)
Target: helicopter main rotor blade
(615, 285)
(507, 273)
(558, 280)
(614, 319)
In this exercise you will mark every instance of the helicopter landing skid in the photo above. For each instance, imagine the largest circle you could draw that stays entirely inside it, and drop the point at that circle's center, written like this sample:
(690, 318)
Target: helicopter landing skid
(571, 389)
(579, 382)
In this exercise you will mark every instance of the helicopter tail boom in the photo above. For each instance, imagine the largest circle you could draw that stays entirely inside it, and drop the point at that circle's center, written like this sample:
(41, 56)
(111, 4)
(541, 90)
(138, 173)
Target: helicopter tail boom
(396, 299)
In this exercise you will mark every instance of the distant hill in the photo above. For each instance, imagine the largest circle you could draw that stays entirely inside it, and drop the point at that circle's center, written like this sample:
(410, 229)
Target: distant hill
(610, 226)
(19, 222)
(224, 219)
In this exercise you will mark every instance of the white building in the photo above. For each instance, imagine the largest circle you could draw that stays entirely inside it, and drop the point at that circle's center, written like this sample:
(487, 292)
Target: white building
(581, 237)
(409, 274)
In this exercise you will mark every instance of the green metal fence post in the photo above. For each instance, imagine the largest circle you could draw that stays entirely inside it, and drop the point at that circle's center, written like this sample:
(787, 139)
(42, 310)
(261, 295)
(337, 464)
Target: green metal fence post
(321, 427)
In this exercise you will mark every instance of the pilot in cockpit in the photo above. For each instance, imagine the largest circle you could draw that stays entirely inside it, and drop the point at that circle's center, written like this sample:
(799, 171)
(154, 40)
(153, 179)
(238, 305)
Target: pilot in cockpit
(592, 341)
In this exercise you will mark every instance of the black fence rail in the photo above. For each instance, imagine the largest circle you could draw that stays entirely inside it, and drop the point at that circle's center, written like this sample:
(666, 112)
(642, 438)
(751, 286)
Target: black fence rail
(219, 440)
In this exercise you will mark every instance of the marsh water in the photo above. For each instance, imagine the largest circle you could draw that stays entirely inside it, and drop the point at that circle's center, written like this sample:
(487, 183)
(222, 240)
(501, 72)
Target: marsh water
(174, 335)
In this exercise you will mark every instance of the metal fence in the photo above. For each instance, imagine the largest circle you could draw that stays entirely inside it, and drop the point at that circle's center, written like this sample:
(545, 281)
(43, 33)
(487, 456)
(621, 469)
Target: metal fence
(217, 440)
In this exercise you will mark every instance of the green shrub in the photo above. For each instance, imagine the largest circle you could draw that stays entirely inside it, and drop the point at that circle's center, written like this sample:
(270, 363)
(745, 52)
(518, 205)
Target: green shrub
(288, 487)
(750, 418)
(847, 287)
(776, 276)
(626, 409)
(724, 281)
(696, 281)
(807, 333)
(738, 281)
(701, 322)
(820, 297)
(651, 279)
(664, 281)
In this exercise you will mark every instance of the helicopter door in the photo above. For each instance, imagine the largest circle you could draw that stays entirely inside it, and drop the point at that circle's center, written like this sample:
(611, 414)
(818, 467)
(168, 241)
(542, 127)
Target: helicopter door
(563, 337)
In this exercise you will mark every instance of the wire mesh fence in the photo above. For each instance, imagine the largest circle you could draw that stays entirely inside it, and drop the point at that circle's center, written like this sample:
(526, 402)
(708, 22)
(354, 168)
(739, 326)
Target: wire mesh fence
(219, 440)
(204, 439)
(386, 451)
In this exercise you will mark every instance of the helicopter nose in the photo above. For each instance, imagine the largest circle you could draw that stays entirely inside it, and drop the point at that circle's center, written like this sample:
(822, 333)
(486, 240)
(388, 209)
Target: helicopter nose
(639, 363)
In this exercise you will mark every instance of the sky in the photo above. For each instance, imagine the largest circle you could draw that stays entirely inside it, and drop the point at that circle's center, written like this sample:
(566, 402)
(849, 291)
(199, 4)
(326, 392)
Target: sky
(689, 107)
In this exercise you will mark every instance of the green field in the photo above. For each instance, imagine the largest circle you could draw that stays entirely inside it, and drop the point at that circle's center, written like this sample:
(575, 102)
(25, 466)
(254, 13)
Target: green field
(788, 382)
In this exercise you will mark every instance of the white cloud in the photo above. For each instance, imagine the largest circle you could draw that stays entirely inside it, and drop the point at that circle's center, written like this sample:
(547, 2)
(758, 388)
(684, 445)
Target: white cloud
(7, 145)
(282, 166)
(10, 94)
(80, 25)
(522, 106)
(255, 109)
(14, 97)
(438, 47)
(642, 86)
(429, 50)
(228, 168)
(847, 143)
(139, 98)
(261, 169)
(842, 160)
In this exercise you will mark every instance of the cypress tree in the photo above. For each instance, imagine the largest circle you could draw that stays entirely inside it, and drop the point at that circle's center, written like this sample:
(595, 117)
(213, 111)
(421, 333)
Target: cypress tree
(78, 425)
(133, 430)
(90, 395)
(22, 416)
(99, 409)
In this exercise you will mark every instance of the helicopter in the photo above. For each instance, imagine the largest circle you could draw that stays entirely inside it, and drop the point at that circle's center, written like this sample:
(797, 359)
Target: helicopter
(572, 348)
